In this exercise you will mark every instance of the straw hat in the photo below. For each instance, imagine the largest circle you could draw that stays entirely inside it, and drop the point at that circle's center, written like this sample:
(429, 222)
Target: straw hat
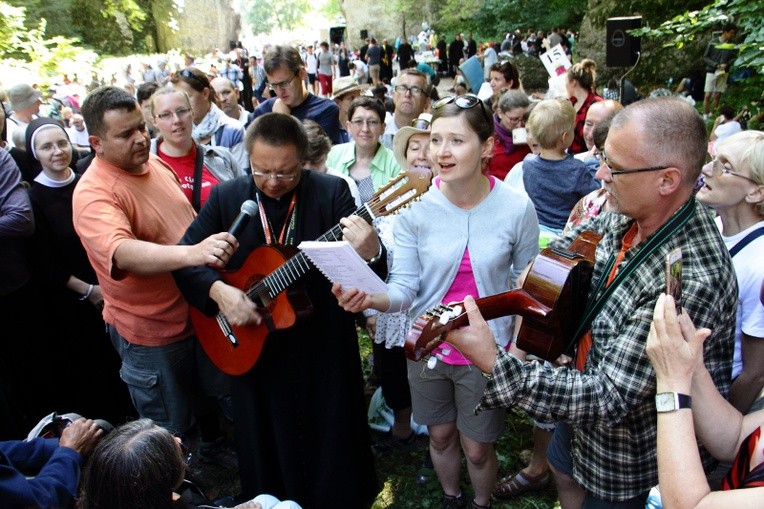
(420, 125)
(345, 85)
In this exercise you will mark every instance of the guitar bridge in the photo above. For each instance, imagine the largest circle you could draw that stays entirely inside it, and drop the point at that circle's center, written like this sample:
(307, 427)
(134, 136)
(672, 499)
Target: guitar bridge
(226, 329)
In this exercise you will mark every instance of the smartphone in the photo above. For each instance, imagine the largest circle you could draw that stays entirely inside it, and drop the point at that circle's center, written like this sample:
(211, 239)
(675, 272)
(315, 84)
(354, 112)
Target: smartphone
(674, 277)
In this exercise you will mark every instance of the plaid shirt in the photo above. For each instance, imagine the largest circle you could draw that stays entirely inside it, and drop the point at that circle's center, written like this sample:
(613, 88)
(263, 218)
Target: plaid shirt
(610, 406)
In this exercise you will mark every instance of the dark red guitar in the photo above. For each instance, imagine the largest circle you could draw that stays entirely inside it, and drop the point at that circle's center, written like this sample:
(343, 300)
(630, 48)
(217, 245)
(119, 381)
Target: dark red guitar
(550, 301)
(268, 273)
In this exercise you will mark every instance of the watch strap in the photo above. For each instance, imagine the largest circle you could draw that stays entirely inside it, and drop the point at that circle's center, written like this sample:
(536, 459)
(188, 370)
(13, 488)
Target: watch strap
(679, 401)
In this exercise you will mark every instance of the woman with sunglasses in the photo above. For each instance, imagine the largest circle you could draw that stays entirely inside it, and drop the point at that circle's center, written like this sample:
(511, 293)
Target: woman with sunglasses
(469, 235)
(74, 301)
(734, 187)
(211, 125)
(198, 167)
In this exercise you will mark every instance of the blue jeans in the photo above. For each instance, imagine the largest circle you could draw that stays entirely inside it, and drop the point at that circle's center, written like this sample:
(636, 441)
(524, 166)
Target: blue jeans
(168, 383)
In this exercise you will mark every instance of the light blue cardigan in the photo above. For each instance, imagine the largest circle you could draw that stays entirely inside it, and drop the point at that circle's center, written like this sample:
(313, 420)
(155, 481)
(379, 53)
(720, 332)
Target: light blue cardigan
(501, 232)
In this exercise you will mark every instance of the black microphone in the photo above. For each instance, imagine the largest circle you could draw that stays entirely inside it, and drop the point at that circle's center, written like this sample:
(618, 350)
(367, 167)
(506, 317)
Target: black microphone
(248, 209)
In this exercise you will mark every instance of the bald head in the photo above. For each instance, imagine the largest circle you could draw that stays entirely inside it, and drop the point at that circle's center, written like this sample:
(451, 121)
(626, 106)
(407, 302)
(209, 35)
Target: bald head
(228, 94)
(671, 131)
(598, 112)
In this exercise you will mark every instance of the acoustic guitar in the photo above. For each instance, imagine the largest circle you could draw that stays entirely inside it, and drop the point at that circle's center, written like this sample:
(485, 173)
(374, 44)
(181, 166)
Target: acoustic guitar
(550, 301)
(268, 274)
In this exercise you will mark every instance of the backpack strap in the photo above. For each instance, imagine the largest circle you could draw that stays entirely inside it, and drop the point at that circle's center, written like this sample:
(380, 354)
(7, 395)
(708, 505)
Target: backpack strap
(758, 232)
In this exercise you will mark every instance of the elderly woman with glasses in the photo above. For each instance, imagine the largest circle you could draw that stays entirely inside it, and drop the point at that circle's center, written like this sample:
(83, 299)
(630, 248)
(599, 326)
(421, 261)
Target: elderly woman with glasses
(469, 235)
(734, 187)
(365, 159)
(199, 167)
(211, 125)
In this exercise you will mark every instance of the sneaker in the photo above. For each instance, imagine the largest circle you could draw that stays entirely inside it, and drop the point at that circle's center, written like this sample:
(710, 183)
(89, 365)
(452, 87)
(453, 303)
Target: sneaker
(391, 443)
(449, 502)
(219, 453)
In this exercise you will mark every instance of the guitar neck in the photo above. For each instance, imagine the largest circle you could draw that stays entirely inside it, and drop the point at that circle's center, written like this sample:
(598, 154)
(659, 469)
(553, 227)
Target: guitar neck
(299, 265)
(513, 302)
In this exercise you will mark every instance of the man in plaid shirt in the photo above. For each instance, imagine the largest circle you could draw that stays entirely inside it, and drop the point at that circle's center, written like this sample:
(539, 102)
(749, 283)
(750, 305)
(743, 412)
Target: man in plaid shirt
(603, 452)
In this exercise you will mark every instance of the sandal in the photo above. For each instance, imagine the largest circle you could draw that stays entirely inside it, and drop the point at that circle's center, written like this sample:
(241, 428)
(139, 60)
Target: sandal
(519, 483)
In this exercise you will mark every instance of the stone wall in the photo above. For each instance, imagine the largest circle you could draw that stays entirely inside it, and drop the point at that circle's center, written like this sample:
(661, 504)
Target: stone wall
(197, 25)
(375, 17)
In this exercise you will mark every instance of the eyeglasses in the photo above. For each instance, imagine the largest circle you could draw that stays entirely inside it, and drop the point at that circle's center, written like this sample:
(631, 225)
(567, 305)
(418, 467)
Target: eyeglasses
(370, 123)
(167, 115)
(279, 177)
(464, 102)
(282, 84)
(62, 145)
(603, 159)
(402, 89)
(718, 167)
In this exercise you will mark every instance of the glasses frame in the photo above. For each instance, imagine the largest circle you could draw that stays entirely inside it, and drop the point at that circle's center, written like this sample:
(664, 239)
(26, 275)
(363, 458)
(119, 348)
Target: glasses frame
(464, 102)
(602, 158)
(402, 89)
(62, 145)
(283, 84)
(371, 123)
(169, 115)
(727, 171)
(279, 177)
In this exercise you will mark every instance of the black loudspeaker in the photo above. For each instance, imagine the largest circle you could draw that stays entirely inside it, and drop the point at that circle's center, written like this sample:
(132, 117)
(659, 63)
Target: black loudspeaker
(336, 35)
(622, 48)
(364, 34)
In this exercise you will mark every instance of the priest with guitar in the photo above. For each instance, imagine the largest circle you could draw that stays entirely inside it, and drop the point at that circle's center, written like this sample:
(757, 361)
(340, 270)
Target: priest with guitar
(603, 451)
(299, 411)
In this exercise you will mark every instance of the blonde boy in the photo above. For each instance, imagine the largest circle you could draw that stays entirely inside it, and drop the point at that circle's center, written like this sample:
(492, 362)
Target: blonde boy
(554, 180)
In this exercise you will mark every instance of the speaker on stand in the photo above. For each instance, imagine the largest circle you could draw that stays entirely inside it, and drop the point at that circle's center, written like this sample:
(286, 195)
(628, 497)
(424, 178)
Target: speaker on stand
(622, 49)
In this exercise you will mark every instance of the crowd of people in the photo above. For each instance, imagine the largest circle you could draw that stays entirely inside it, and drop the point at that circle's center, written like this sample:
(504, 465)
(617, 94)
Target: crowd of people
(122, 239)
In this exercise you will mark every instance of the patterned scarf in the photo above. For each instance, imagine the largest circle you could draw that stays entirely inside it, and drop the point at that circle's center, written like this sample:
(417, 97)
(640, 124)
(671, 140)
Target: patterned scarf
(209, 124)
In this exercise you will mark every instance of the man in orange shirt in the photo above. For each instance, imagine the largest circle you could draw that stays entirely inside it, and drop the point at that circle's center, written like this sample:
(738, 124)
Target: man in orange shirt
(130, 212)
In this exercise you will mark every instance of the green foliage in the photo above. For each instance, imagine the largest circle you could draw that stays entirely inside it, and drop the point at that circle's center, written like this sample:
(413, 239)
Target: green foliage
(331, 9)
(112, 26)
(12, 30)
(45, 55)
(533, 74)
(264, 16)
(688, 26)
(491, 19)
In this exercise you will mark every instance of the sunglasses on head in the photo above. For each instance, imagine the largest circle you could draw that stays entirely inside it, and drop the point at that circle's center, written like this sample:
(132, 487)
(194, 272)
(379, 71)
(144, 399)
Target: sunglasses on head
(464, 102)
(185, 73)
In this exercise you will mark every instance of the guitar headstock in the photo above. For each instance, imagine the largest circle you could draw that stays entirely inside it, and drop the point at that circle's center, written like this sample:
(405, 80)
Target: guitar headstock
(408, 185)
(428, 330)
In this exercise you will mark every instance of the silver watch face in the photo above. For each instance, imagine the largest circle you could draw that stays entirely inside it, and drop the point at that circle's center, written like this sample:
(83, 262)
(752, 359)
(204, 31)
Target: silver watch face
(664, 402)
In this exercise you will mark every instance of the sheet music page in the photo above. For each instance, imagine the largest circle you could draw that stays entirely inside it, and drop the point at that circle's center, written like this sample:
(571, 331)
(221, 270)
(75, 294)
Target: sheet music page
(339, 262)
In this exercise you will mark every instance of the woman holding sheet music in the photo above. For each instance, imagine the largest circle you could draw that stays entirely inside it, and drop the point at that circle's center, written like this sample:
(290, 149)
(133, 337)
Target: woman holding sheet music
(469, 235)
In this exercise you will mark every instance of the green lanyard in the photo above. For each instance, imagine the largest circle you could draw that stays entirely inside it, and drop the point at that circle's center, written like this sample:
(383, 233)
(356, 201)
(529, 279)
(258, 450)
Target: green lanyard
(597, 299)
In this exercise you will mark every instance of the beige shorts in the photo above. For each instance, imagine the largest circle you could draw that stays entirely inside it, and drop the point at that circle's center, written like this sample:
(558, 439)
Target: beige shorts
(374, 71)
(715, 82)
(450, 393)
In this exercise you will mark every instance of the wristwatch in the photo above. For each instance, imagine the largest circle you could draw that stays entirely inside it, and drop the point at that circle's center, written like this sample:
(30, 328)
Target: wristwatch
(670, 401)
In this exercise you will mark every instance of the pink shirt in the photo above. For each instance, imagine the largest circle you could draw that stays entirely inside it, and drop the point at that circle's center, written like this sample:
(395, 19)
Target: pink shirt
(463, 285)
